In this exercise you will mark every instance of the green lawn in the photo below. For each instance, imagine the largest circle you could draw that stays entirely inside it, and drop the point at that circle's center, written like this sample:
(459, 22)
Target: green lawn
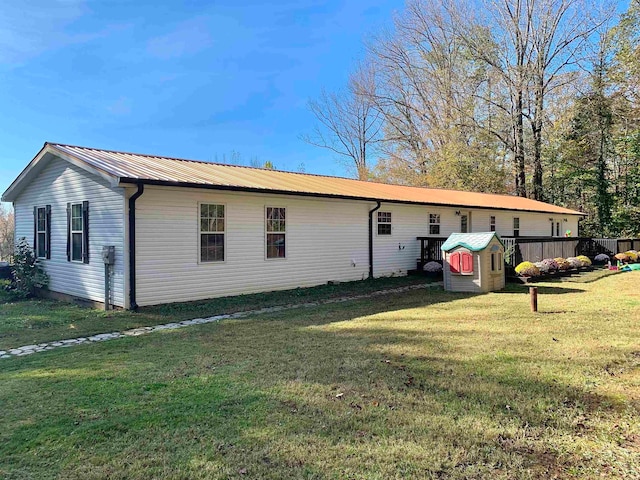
(24, 323)
(422, 384)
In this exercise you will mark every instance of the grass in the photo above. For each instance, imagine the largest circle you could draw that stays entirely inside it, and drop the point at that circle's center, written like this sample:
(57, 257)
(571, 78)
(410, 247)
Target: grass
(37, 321)
(424, 384)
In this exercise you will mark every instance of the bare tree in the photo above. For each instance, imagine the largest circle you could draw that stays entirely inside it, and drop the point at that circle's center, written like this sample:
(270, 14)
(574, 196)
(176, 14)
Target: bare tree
(431, 91)
(562, 29)
(348, 122)
(7, 233)
(535, 43)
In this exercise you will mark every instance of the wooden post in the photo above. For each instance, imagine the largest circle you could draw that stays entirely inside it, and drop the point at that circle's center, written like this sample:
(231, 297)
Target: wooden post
(533, 294)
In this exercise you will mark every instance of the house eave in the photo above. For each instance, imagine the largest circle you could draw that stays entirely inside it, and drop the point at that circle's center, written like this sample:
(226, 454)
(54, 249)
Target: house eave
(233, 188)
(46, 153)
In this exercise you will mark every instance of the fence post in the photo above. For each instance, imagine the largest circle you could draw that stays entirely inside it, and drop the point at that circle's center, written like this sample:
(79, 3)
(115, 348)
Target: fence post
(533, 296)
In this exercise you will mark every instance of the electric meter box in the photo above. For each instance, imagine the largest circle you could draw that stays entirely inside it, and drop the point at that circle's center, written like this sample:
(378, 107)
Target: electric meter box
(109, 254)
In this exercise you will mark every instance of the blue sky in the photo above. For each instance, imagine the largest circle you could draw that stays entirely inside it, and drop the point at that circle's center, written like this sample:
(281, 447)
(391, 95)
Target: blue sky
(191, 79)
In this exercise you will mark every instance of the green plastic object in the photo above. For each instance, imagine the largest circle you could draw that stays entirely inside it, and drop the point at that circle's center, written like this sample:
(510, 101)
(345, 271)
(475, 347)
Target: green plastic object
(632, 267)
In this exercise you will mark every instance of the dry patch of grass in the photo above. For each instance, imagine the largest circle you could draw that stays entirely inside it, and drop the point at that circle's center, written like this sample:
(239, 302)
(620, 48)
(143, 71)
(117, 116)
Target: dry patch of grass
(418, 385)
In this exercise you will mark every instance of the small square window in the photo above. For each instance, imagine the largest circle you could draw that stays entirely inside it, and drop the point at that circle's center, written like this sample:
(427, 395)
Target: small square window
(384, 223)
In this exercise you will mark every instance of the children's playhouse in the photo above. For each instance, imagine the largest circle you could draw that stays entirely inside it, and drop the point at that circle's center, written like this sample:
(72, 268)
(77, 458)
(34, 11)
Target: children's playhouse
(473, 262)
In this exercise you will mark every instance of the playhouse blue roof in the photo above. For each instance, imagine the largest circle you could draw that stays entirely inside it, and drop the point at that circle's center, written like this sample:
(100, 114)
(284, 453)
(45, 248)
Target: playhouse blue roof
(473, 241)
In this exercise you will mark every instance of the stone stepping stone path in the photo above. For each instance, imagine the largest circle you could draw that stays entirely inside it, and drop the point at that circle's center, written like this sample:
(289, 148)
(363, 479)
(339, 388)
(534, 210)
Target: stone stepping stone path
(134, 332)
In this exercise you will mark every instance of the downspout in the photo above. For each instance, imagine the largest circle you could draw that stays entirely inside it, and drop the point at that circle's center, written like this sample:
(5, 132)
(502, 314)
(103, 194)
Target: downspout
(371, 212)
(132, 246)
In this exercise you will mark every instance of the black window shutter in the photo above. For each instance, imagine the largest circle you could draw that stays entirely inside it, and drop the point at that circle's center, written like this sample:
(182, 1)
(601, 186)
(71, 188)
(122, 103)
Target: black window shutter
(35, 230)
(48, 233)
(68, 232)
(85, 232)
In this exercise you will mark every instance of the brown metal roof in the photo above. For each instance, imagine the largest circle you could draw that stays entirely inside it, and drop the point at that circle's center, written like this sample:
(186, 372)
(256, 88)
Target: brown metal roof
(131, 167)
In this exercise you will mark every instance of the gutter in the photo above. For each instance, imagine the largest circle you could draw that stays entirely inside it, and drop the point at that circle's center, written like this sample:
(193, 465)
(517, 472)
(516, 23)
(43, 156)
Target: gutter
(132, 246)
(371, 212)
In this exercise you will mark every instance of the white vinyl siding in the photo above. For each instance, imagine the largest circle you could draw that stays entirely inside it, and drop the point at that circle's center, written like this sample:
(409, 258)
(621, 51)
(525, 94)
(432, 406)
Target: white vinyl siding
(60, 183)
(326, 240)
(532, 224)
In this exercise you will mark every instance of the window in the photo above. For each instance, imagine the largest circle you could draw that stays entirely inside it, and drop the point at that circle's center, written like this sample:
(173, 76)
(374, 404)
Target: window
(78, 232)
(434, 224)
(384, 223)
(496, 262)
(276, 232)
(464, 224)
(516, 226)
(557, 229)
(212, 230)
(461, 263)
(42, 231)
(492, 223)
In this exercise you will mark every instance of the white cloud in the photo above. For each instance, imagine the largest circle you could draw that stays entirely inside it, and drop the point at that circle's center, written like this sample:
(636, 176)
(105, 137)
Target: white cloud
(29, 28)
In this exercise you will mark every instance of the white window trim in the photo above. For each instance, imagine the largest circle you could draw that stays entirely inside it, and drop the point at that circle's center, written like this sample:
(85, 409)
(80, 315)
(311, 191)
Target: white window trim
(81, 232)
(492, 224)
(439, 224)
(200, 232)
(38, 232)
(286, 235)
(465, 214)
(513, 230)
(390, 223)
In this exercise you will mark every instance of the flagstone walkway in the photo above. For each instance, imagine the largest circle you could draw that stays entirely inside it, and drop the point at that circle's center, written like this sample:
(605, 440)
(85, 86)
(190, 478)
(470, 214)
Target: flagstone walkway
(103, 337)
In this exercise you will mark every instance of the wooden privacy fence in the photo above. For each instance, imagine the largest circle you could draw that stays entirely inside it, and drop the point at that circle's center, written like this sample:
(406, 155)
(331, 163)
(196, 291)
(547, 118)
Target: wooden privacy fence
(534, 249)
(519, 249)
(537, 250)
(620, 245)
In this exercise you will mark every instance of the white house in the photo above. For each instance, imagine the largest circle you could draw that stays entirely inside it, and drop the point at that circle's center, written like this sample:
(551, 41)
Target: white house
(186, 230)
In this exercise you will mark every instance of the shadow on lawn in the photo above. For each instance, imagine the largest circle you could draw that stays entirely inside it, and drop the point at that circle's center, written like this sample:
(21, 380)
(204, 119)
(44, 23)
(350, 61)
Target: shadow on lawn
(542, 289)
(378, 383)
(286, 393)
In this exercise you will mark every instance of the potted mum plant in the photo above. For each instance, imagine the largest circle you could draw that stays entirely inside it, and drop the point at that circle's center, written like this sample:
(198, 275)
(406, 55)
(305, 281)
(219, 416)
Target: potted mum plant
(432, 269)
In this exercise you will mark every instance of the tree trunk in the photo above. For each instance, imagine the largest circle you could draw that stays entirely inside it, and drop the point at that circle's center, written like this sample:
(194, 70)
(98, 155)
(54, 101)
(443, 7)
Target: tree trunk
(537, 141)
(521, 188)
